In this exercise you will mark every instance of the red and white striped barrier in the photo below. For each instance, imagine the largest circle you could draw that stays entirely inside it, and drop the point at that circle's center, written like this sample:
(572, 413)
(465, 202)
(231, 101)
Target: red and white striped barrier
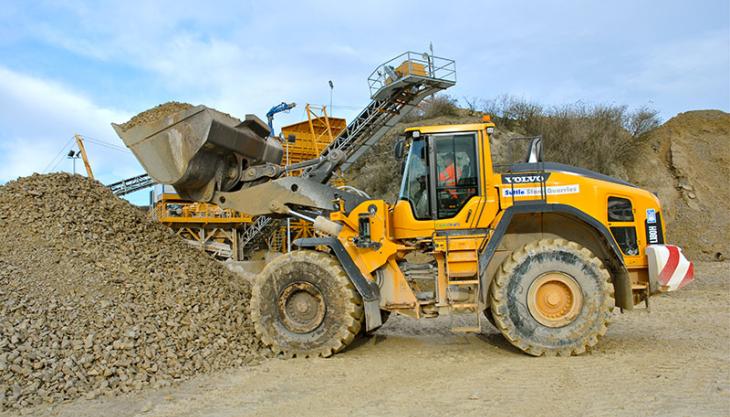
(668, 268)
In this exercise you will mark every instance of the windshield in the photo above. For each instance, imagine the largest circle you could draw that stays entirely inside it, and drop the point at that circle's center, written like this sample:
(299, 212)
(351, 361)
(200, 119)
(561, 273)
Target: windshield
(414, 187)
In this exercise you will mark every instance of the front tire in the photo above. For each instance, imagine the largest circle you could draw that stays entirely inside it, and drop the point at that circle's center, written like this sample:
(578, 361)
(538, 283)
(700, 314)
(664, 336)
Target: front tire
(303, 304)
(552, 297)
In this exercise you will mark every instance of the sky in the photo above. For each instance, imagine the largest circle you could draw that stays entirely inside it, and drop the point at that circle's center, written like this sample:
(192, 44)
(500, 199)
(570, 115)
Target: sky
(71, 67)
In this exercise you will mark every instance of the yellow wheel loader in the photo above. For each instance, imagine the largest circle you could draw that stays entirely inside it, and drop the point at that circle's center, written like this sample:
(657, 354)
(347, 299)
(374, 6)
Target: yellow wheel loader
(544, 251)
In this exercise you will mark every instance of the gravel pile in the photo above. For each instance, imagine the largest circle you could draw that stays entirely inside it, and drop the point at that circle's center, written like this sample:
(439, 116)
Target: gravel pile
(97, 299)
(156, 113)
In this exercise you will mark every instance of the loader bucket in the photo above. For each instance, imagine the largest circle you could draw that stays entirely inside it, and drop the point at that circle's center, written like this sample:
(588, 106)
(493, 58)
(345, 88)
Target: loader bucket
(200, 150)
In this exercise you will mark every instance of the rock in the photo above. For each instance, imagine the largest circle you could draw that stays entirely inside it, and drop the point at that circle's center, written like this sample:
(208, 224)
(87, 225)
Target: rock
(155, 113)
(20, 371)
(89, 341)
(132, 333)
(106, 298)
(684, 186)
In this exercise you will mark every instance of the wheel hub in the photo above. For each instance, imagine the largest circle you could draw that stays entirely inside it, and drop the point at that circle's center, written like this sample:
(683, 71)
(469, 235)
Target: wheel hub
(301, 307)
(554, 299)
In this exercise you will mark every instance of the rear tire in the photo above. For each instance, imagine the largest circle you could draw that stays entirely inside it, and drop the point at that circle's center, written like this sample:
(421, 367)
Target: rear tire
(552, 297)
(303, 304)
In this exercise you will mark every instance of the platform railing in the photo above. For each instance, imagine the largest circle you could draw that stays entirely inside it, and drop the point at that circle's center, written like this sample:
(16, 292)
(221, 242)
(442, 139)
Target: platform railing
(411, 64)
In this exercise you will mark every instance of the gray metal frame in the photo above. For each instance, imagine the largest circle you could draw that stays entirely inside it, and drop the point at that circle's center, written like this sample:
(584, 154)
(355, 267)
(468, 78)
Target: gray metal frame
(130, 185)
(438, 68)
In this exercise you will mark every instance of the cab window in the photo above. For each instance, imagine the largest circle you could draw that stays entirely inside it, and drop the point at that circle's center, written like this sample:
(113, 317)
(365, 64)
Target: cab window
(456, 172)
(621, 211)
(415, 185)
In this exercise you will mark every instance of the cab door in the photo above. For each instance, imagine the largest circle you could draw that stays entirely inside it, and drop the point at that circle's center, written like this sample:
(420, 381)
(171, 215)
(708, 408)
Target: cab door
(412, 217)
(456, 185)
(441, 186)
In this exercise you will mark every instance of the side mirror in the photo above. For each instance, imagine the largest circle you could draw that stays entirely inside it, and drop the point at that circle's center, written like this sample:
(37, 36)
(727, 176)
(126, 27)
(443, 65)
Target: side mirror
(399, 148)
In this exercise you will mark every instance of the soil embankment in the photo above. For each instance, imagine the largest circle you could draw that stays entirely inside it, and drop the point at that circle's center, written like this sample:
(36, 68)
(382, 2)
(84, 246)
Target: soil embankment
(686, 161)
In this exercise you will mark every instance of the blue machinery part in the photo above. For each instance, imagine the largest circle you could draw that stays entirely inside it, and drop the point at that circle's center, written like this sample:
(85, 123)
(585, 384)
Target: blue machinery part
(277, 109)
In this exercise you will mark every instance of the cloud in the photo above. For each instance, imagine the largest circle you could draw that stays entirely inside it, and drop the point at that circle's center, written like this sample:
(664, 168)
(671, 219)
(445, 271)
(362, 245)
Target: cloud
(243, 57)
(237, 54)
(39, 116)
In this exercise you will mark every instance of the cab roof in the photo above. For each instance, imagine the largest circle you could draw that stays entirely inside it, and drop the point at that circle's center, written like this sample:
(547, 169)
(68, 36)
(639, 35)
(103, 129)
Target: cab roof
(450, 128)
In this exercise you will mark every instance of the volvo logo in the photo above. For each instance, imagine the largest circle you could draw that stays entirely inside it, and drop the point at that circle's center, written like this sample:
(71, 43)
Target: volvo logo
(524, 179)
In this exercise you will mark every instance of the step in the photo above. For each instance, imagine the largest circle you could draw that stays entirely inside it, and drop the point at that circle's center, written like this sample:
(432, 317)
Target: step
(464, 306)
(464, 282)
(467, 329)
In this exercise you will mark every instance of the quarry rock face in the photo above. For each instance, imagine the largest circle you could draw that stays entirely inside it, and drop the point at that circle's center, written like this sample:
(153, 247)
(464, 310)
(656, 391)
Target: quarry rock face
(686, 161)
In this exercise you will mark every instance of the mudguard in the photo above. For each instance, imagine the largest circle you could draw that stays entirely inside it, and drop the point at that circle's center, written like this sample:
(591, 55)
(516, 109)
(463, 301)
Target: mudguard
(621, 281)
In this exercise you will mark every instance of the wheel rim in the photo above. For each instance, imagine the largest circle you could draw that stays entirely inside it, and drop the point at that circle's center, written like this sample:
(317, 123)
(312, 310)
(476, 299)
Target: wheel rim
(301, 307)
(554, 299)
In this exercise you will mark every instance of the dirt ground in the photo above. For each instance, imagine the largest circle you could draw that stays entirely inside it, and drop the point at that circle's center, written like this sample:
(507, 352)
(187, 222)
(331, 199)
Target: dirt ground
(672, 361)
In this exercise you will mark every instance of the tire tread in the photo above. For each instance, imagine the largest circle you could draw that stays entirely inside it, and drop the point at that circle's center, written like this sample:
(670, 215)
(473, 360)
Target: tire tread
(498, 298)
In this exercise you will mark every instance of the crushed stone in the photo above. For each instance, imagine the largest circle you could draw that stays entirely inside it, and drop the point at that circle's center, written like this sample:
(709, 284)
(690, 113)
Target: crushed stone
(96, 299)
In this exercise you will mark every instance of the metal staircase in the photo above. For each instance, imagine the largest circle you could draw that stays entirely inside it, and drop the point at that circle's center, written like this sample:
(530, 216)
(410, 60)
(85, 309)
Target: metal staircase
(131, 185)
(396, 88)
(254, 230)
(395, 91)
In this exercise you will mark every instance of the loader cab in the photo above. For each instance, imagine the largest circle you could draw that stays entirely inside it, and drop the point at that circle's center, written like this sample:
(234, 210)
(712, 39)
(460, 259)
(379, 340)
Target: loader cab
(443, 181)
